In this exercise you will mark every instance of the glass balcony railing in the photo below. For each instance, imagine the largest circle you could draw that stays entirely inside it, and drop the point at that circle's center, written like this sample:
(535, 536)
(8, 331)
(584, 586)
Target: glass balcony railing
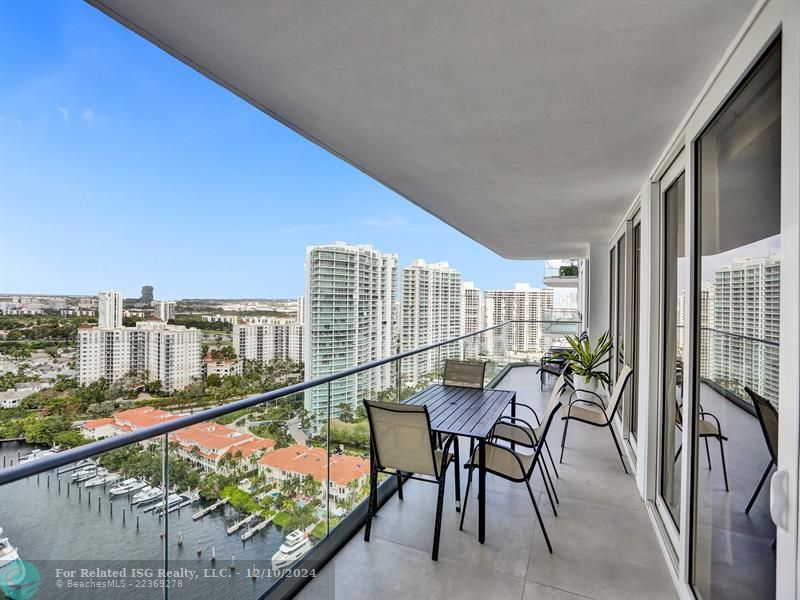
(237, 501)
(561, 273)
(729, 362)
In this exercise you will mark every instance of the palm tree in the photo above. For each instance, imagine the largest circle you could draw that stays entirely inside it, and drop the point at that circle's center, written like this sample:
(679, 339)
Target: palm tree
(345, 412)
(290, 486)
(310, 487)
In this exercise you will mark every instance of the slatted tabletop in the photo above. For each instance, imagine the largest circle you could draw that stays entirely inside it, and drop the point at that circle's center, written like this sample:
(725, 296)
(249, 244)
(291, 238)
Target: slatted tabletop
(469, 412)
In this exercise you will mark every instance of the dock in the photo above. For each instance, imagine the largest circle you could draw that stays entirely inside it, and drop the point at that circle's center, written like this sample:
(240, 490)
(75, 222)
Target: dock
(179, 506)
(251, 531)
(236, 526)
(204, 511)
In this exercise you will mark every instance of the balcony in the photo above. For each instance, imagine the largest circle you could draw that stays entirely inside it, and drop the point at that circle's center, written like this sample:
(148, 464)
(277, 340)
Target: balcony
(561, 273)
(604, 546)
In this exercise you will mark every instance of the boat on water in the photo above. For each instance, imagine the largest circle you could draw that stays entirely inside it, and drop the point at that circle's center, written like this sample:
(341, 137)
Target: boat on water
(12, 569)
(36, 454)
(75, 466)
(172, 500)
(127, 486)
(147, 494)
(84, 473)
(101, 479)
(296, 544)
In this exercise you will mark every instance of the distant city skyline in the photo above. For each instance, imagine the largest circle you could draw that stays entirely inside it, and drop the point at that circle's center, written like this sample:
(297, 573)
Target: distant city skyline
(121, 166)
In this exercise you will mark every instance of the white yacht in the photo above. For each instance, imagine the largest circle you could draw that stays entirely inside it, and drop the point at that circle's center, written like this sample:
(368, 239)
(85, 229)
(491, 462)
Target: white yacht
(36, 454)
(294, 546)
(12, 569)
(127, 486)
(101, 479)
(172, 500)
(147, 494)
(84, 473)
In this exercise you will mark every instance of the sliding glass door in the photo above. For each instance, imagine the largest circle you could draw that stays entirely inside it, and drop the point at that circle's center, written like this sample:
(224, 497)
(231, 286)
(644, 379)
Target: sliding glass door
(736, 333)
(674, 280)
(634, 288)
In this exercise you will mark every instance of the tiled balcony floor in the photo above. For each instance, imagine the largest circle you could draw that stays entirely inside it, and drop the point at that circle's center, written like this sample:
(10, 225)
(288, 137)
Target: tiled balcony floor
(603, 544)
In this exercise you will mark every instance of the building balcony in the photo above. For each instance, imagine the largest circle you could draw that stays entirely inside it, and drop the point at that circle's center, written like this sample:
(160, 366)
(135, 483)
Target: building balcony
(604, 546)
(561, 273)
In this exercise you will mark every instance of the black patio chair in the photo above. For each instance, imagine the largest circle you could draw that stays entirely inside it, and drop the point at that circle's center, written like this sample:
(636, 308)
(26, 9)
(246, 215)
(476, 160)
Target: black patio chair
(403, 445)
(514, 466)
(596, 413)
(768, 418)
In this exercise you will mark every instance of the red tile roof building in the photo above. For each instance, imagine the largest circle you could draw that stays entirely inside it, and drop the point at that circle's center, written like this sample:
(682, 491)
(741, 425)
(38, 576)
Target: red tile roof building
(97, 429)
(204, 444)
(301, 461)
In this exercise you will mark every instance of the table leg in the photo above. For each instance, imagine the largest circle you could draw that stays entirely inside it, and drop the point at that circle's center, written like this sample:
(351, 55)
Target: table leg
(481, 490)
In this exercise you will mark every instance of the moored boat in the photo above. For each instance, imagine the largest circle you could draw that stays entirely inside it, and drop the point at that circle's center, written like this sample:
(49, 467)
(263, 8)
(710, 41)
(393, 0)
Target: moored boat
(296, 544)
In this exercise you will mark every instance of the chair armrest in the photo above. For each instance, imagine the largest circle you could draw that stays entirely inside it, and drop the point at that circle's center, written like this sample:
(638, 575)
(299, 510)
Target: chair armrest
(704, 414)
(530, 408)
(573, 401)
(532, 438)
(446, 452)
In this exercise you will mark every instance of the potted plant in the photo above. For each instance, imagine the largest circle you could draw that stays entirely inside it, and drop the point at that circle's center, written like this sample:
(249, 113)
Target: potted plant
(568, 271)
(586, 361)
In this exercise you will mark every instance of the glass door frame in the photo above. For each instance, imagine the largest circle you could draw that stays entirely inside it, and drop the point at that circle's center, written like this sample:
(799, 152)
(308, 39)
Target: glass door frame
(676, 540)
(769, 19)
(626, 320)
(633, 334)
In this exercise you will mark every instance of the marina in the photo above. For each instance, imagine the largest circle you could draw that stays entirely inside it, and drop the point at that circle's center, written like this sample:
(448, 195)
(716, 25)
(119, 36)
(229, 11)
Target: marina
(239, 524)
(47, 524)
(209, 509)
(251, 531)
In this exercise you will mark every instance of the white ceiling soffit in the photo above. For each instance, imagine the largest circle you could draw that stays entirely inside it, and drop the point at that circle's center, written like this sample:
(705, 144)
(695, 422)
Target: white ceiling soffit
(528, 126)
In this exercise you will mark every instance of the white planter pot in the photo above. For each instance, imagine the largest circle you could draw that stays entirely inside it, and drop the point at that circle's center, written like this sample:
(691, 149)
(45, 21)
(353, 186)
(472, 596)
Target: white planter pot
(582, 384)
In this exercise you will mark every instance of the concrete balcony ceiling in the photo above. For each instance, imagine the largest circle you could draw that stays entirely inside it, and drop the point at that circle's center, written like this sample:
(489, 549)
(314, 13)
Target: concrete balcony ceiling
(528, 126)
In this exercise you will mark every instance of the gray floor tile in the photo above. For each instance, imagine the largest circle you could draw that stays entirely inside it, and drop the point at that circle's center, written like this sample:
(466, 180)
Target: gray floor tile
(601, 551)
(382, 569)
(537, 591)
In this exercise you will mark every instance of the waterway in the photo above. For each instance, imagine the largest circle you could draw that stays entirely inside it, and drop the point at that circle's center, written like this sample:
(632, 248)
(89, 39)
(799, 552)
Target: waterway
(55, 530)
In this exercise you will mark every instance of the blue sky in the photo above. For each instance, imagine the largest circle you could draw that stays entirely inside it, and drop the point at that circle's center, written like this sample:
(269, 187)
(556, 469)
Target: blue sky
(120, 166)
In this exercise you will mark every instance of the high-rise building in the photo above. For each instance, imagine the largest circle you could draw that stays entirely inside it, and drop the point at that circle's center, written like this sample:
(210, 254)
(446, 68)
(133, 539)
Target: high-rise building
(301, 310)
(350, 292)
(706, 325)
(525, 304)
(170, 354)
(746, 311)
(164, 309)
(472, 318)
(109, 309)
(430, 311)
(147, 295)
(264, 342)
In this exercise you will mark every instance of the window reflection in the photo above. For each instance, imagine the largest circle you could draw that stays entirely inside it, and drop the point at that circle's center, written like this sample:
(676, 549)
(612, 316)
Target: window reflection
(739, 304)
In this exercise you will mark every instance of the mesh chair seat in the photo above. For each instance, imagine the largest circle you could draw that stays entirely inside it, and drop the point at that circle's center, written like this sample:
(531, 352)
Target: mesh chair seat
(503, 461)
(585, 413)
(438, 454)
(707, 428)
(518, 434)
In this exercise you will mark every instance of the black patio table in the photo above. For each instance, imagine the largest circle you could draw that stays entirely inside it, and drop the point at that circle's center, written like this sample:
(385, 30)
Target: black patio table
(471, 413)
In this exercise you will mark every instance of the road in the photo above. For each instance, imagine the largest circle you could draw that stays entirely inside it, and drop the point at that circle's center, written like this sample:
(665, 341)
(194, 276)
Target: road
(294, 430)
